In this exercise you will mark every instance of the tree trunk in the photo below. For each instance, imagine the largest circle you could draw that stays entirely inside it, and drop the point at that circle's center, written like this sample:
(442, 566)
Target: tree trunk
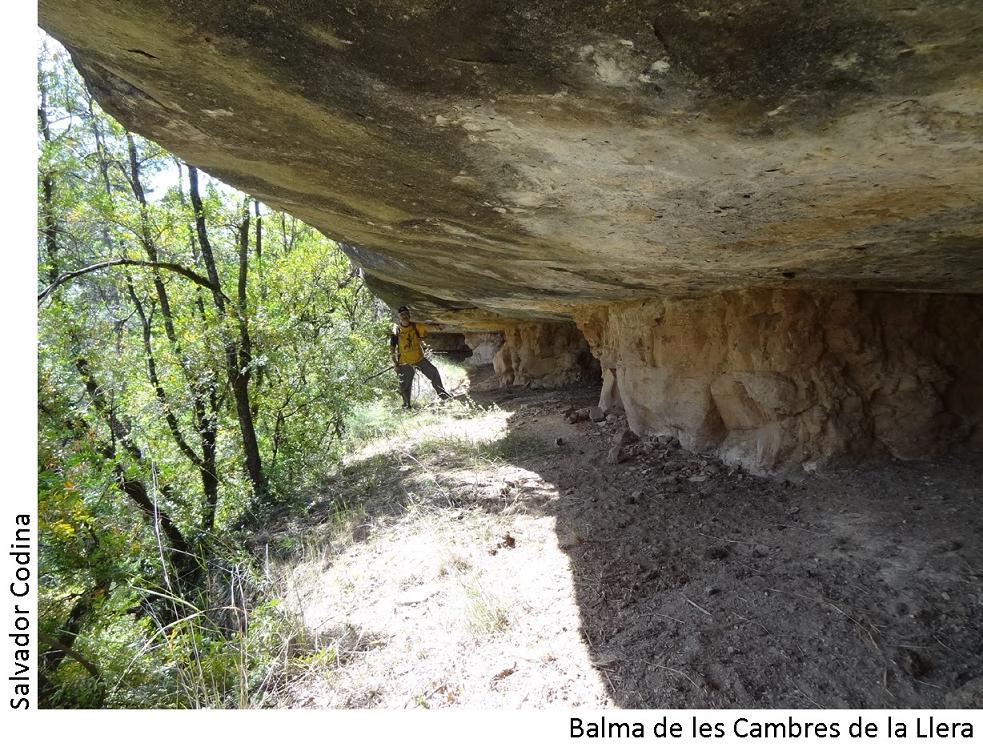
(206, 245)
(50, 228)
(62, 645)
(240, 382)
(205, 423)
(209, 477)
(133, 488)
(237, 352)
(148, 350)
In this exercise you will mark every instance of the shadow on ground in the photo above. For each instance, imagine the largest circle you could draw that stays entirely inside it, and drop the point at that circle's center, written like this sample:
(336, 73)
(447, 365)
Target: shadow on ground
(701, 586)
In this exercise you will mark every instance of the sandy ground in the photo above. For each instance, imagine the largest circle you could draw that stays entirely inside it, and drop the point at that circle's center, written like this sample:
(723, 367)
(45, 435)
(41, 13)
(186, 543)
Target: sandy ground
(481, 563)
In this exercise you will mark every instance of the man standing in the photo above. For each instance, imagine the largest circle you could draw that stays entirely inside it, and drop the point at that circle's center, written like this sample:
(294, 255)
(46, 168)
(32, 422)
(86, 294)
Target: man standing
(406, 348)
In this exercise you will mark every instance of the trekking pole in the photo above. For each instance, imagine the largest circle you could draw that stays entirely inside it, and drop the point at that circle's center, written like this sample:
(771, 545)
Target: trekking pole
(379, 373)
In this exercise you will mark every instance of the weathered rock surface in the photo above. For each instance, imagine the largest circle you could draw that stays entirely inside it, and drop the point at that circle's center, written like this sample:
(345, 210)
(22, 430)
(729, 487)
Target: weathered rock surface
(751, 177)
(483, 346)
(772, 379)
(544, 356)
(485, 159)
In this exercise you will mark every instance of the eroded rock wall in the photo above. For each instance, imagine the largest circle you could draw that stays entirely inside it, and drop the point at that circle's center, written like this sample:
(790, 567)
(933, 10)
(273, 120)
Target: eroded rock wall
(778, 379)
(484, 346)
(544, 356)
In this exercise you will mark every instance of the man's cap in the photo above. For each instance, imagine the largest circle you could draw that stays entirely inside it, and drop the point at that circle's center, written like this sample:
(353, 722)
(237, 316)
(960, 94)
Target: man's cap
(401, 309)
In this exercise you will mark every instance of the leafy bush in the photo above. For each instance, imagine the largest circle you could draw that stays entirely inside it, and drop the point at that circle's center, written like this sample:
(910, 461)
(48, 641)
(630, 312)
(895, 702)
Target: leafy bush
(200, 358)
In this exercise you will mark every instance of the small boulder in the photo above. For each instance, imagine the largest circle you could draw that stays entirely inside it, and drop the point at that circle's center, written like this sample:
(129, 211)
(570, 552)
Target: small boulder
(616, 455)
(669, 442)
(627, 437)
(575, 416)
(596, 414)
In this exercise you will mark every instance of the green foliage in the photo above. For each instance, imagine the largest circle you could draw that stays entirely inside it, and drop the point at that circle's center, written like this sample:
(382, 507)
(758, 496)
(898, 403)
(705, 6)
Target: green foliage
(138, 366)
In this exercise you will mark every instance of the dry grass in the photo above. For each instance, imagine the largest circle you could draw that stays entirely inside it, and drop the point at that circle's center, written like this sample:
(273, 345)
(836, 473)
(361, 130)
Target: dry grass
(411, 582)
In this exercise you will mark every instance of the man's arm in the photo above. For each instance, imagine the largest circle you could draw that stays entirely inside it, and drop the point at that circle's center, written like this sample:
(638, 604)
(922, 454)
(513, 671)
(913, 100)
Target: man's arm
(393, 345)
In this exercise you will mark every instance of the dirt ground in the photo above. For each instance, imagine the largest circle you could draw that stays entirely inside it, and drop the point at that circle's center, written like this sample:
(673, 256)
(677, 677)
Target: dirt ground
(497, 556)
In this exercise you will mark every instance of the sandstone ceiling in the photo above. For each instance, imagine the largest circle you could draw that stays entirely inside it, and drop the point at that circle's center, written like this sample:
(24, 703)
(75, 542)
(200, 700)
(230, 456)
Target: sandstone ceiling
(494, 159)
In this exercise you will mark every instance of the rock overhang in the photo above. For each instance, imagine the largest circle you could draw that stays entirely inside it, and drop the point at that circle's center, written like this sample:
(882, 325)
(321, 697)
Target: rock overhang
(494, 161)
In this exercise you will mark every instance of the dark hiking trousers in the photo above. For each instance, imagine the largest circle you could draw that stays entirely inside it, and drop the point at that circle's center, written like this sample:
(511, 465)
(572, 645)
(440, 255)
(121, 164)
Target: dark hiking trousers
(428, 369)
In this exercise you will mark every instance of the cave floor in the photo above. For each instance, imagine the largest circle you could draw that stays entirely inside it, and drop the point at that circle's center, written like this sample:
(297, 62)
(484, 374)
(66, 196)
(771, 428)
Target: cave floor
(487, 564)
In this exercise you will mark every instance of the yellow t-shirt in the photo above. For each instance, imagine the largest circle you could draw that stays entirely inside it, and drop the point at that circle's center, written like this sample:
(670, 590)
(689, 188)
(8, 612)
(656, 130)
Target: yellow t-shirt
(409, 342)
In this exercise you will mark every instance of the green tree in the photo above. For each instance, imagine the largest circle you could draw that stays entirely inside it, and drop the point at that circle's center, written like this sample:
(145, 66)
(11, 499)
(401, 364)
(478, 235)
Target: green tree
(196, 370)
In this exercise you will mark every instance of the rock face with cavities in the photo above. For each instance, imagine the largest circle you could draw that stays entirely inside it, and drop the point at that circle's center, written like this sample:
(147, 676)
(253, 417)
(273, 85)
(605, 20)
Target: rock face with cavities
(765, 217)
(777, 379)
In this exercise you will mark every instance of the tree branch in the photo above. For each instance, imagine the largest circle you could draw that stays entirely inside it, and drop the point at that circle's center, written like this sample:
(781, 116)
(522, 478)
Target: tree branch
(66, 650)
(206, 246)
(173, 267)
(169, 416)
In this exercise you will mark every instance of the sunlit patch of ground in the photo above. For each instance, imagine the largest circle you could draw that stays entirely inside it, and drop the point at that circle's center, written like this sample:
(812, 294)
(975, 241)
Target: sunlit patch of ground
(461, 596)
(452, 424)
